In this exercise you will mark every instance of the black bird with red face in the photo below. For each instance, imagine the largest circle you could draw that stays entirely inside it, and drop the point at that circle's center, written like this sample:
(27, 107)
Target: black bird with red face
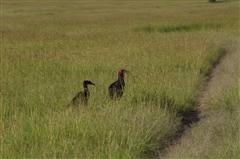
(82, 97)
(115, 90)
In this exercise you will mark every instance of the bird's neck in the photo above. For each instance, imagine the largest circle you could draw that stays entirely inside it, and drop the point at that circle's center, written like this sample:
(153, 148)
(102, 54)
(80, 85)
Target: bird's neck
(85, 88)
(121, 80)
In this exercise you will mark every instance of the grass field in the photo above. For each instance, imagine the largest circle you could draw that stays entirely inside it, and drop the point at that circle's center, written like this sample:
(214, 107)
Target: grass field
(49, 48)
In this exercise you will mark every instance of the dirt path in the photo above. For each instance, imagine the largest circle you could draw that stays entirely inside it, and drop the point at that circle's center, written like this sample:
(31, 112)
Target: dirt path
(191, 119)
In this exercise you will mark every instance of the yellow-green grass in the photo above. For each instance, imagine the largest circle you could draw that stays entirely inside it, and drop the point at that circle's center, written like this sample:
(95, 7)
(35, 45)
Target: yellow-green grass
(49, 48)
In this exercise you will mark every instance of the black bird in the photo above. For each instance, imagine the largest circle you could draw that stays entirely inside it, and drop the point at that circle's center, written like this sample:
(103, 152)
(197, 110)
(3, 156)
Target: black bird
(82, 97)
(115, 90)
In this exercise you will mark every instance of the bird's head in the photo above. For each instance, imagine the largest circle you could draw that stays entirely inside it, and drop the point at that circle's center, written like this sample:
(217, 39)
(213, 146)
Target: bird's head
(122, 72)
(86, 82)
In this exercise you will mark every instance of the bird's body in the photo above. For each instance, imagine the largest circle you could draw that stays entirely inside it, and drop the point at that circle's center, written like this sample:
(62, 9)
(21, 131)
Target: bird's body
(115, 90)
(82, 97)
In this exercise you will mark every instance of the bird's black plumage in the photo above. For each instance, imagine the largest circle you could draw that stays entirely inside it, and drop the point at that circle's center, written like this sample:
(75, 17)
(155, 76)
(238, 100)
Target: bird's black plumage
(82, 97)
(115, 90)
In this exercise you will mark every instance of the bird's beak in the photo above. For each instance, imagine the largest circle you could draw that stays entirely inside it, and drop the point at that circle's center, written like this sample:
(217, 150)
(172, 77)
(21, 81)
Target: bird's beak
(126, 71)
(93, 84)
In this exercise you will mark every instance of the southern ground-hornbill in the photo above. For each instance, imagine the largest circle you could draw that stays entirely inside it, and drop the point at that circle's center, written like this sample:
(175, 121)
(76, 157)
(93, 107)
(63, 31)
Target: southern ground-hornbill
(82, 97)
(115, 90)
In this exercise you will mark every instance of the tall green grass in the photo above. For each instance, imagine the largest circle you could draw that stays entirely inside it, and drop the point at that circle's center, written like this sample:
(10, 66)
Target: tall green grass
(45, 58)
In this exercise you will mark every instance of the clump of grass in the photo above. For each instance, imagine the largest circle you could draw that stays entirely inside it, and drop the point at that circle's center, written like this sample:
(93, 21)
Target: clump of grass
(212, 1)
(166, 29)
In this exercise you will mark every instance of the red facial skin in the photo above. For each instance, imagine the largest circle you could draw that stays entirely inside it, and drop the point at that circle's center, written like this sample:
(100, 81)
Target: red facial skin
(121, 73)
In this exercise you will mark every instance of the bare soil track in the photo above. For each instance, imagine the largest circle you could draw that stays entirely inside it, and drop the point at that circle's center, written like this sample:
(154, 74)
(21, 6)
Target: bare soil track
(190, 119)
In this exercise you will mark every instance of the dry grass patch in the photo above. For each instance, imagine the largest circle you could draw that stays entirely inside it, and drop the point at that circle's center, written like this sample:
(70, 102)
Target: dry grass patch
(217, 134)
